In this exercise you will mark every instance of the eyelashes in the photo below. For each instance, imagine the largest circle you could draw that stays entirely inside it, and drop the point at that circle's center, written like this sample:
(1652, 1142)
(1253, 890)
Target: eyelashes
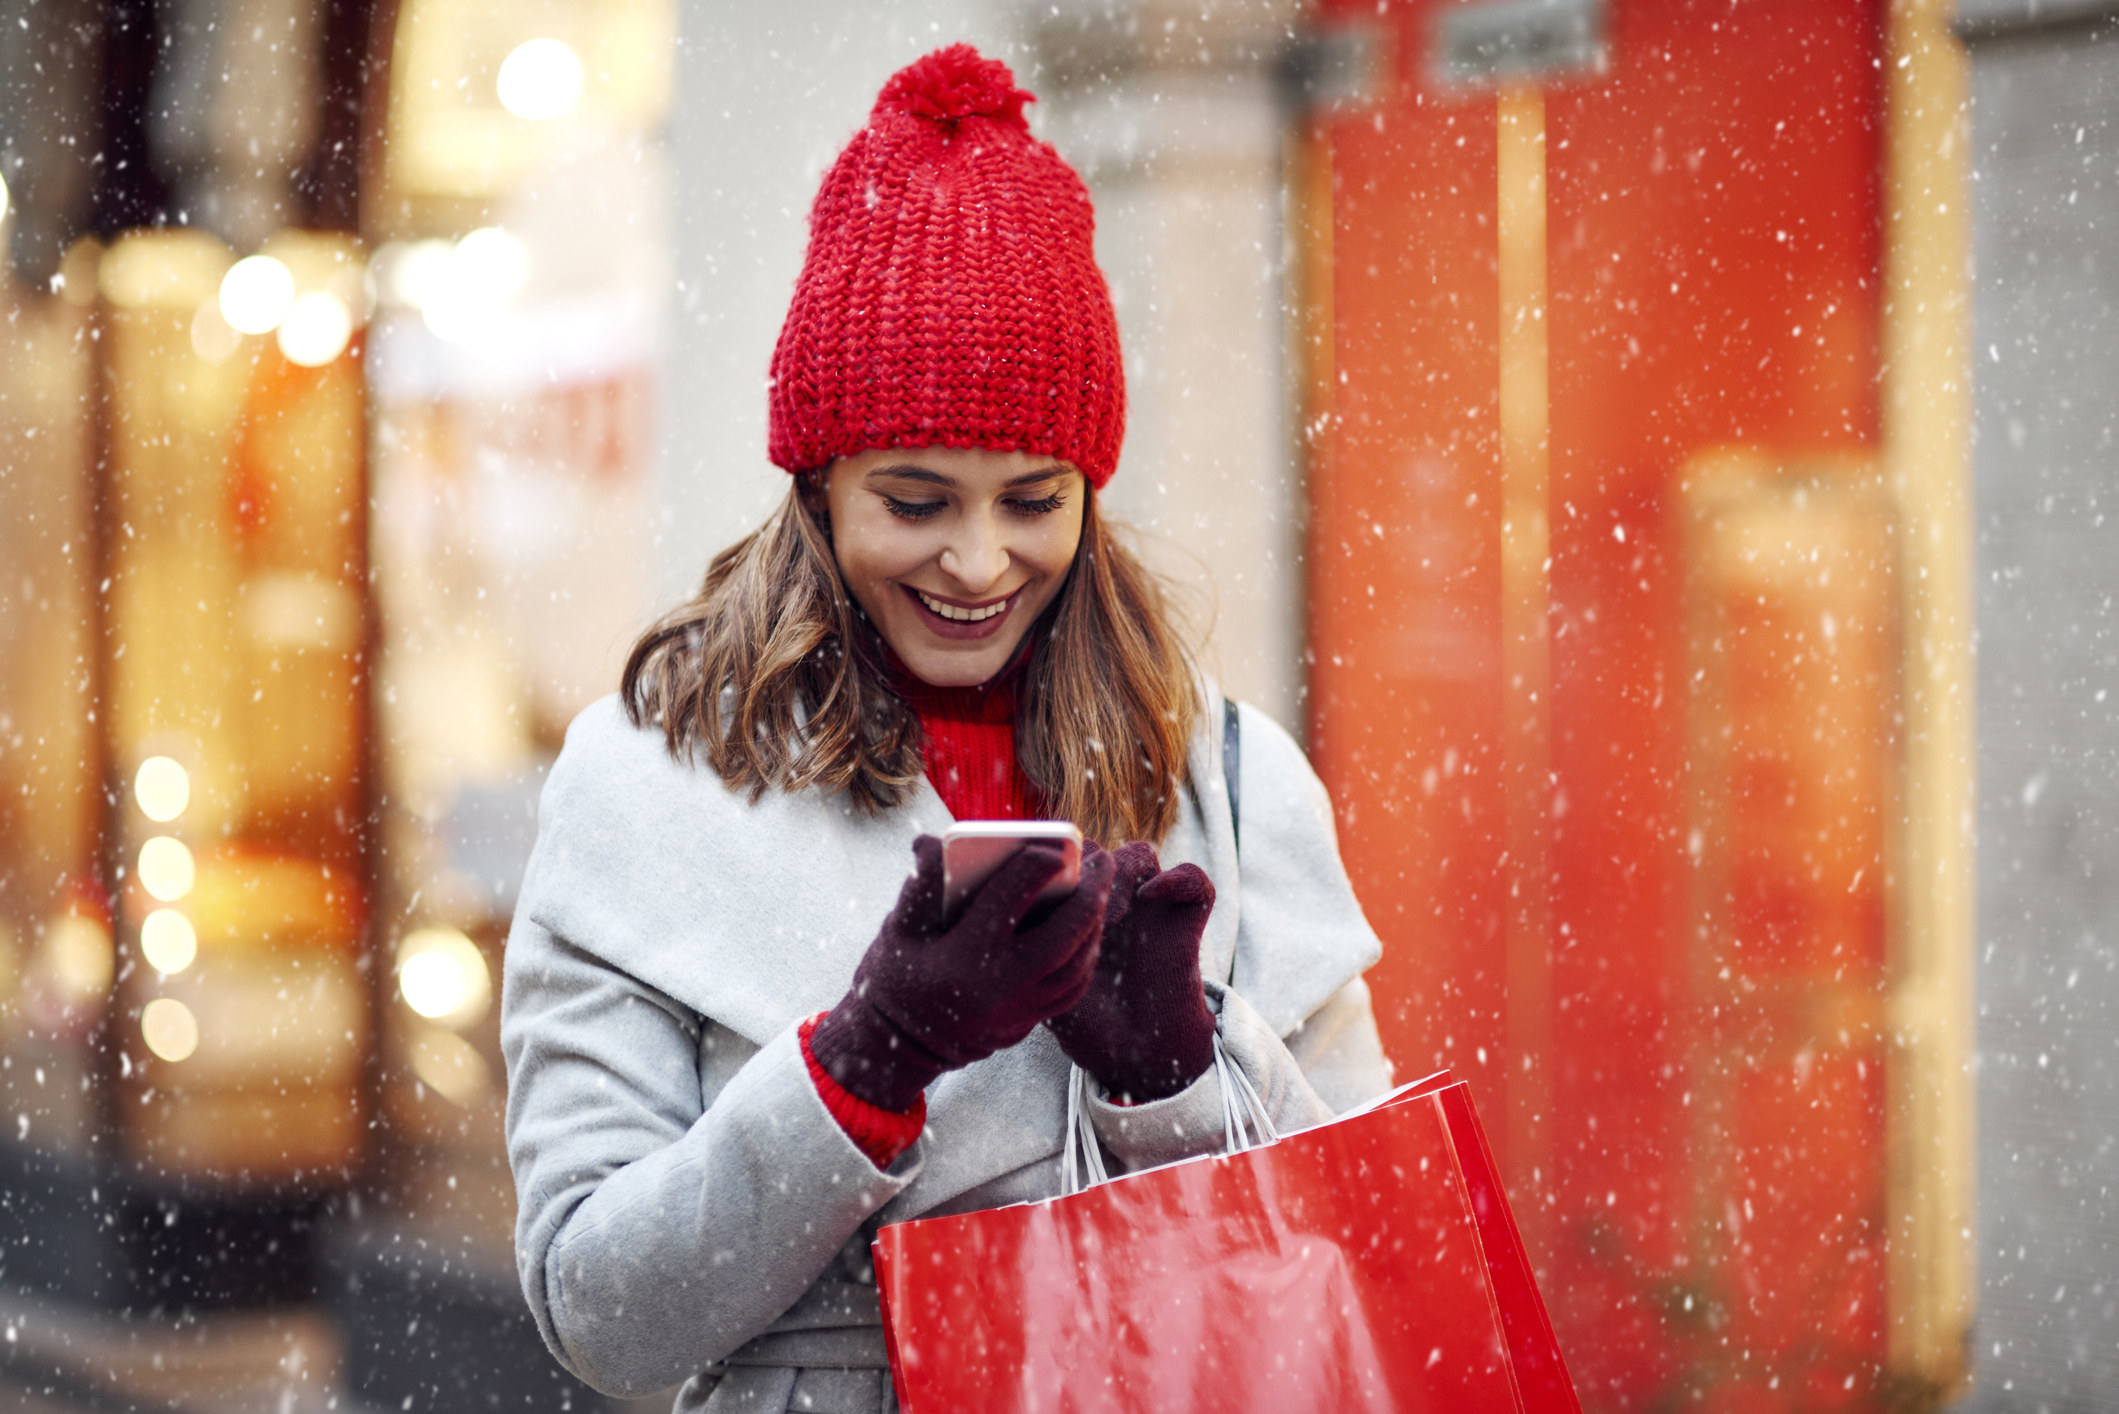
(927, 510)
(912, 510)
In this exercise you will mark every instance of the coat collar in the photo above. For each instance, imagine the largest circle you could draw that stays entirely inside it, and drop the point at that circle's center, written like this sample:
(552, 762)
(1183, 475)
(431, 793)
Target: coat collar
(754, 913)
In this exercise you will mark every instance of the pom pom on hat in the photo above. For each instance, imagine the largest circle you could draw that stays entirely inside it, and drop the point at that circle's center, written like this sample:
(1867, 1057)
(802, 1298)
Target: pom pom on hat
(952, 84)
(950, 295)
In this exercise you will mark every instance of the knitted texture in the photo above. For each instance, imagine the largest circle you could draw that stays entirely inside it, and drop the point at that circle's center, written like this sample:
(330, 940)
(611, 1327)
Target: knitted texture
(1144, 1029)
(879, 1133)
(950, 296)
(967, 741)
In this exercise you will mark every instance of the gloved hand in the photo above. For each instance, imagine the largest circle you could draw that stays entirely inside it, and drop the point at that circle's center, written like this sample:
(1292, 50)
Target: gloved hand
(1143, 1029)
(929, 998)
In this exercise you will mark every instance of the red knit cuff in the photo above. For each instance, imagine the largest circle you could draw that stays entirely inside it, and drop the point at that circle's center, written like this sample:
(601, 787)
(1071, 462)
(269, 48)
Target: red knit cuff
(879, 1133)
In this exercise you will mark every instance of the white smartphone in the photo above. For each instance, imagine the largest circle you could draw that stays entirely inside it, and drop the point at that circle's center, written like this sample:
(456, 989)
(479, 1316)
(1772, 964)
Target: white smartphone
(973, 849)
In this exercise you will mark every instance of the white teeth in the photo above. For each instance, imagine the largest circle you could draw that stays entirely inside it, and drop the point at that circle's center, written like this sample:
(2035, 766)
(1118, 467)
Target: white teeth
(962, 616)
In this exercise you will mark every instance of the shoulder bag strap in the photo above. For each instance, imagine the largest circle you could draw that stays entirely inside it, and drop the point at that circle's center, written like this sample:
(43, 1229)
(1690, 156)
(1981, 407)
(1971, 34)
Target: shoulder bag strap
(1232, 768)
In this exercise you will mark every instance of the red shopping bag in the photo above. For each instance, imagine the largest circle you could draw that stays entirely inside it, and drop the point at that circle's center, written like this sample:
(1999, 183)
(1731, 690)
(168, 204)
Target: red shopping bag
(1369, 1264)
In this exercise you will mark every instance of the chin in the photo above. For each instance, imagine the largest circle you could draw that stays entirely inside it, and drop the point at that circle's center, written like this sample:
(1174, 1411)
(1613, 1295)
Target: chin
(941, 668)
(949, 670)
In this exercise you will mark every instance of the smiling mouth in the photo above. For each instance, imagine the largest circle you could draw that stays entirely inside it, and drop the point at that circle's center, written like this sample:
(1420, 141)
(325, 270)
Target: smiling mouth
(958, 614)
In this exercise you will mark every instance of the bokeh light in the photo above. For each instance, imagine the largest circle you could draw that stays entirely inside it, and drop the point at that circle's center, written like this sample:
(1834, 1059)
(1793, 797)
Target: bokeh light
(163, 788)
(539, 80)
(256, 294)
(407, 273)
(166, 869)
(169, 1029)
(316, 330)
(492, 261)
(483, 272)
(443, 976)
(169, 941)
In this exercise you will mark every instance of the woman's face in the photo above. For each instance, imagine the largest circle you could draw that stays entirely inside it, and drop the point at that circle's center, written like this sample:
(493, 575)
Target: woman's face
(954, 554)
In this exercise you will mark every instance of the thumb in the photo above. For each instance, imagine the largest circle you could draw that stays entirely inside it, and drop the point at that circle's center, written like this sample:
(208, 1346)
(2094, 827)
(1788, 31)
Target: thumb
(1131, 866)
(920, 901)
(1186, 884)
(1002, 900)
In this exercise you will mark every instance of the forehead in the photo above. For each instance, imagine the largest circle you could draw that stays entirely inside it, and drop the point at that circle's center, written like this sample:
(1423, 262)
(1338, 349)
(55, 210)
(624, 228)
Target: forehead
(968, 467)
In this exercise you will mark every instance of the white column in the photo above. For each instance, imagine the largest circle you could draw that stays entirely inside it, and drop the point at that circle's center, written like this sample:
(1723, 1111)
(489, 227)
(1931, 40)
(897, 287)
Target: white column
(764, 98)
(1185, 168)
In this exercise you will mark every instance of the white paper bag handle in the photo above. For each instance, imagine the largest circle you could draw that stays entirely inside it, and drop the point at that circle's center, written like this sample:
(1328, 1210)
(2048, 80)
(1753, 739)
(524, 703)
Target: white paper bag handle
(1241, 1106)
(1245, 1124)
(1081, 1157)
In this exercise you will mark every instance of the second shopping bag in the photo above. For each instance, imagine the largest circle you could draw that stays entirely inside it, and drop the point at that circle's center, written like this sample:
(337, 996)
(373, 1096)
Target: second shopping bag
(1369, 1264)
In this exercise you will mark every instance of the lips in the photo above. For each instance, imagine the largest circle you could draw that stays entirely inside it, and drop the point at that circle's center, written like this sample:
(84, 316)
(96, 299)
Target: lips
(952, 620)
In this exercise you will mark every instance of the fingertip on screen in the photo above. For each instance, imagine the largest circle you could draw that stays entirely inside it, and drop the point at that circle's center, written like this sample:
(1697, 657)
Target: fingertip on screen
(973, 850)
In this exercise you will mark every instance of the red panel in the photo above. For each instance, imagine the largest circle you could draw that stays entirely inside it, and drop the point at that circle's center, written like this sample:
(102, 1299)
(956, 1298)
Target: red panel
(1714, 247)
(1713, 252)
(1405, 567)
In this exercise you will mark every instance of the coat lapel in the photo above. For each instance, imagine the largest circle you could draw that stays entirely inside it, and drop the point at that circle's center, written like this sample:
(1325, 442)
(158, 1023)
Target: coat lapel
(755, 913)
(752, 913)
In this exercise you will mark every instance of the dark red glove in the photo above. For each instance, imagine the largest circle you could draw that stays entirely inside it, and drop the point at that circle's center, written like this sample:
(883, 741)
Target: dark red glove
(929, 998)
(1144, 1030)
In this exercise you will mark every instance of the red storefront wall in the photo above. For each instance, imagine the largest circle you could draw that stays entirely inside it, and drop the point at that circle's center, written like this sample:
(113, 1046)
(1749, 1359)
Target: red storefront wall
(1620, 804)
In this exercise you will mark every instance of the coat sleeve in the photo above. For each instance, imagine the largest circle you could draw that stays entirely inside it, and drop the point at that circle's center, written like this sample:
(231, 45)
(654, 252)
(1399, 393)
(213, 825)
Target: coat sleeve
(657, 1231)
(1339, 1050)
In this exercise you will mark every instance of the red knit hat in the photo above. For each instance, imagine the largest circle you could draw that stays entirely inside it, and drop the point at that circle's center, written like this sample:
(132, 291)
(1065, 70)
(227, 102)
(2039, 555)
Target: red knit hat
(950, 297)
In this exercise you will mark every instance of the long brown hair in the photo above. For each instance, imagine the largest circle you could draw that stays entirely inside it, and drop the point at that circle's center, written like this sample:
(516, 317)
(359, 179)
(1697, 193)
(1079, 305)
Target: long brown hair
(777, 679)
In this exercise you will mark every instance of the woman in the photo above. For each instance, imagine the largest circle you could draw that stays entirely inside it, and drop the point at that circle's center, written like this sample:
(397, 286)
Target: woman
(732, 1057)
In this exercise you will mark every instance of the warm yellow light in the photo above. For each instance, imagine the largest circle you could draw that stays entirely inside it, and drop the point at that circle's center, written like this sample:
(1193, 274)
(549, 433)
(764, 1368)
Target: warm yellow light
(213, 338)
(168, 940)
(449, 1065)
(3, 198)
(169, 1029)
(316, 329)
(256, 294)
(166, 870)
(443, 976)
(76, 279)
(162, 787)
(539, 80)
(482, 274)
(78, 958)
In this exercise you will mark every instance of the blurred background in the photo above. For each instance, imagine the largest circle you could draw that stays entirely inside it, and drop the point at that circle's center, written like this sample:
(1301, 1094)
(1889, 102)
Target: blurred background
(1603, 429)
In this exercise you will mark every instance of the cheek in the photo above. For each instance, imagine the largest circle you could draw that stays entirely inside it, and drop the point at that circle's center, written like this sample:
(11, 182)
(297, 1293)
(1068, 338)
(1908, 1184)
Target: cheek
(873, 549)
(1051, 549)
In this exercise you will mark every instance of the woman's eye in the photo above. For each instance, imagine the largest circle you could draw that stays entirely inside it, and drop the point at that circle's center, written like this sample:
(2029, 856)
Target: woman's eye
(912, 510)
(1043, 506)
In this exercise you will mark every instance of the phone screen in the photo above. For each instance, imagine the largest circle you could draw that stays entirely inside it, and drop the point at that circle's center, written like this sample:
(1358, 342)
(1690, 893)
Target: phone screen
(973, 849)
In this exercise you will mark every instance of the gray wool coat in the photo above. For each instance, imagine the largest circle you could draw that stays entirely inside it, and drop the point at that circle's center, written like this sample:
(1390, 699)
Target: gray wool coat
(689, 1210)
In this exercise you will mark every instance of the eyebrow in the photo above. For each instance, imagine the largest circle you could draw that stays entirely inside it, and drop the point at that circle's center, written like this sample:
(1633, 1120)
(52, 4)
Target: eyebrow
(935, 478)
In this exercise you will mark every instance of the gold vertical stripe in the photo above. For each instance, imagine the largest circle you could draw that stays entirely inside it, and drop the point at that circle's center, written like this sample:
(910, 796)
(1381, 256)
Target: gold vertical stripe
(1926, 446)
(1526, 568)
(1314, 332)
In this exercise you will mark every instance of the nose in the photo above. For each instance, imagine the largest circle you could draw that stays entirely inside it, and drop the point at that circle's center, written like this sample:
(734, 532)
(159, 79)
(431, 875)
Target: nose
(976, 556)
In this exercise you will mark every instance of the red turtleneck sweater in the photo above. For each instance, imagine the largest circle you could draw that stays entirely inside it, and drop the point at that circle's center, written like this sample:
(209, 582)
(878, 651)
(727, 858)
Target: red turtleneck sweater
(969, 746)
(968, 742)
